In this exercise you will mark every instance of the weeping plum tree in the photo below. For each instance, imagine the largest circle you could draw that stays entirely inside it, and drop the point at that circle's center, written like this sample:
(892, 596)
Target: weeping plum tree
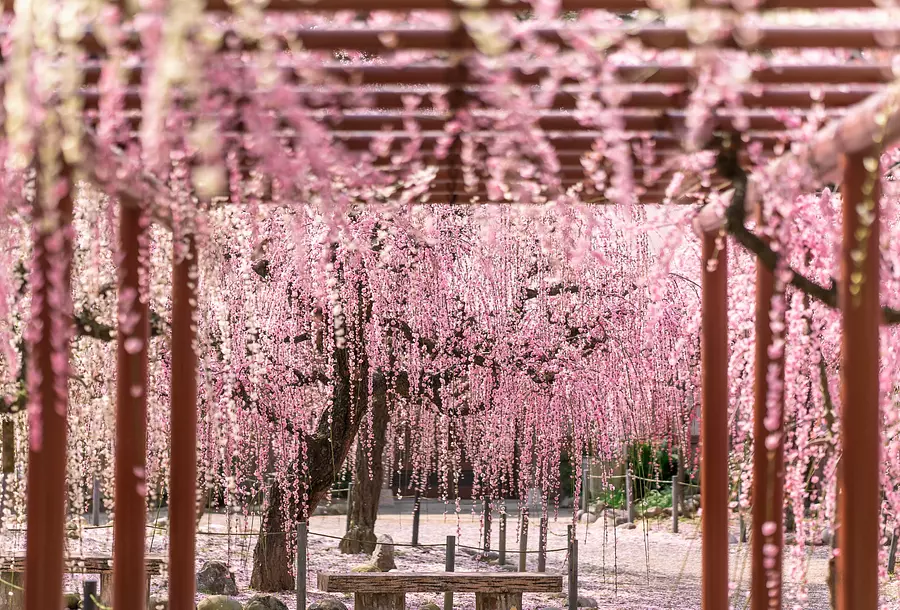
(304, 323)
(435, 354)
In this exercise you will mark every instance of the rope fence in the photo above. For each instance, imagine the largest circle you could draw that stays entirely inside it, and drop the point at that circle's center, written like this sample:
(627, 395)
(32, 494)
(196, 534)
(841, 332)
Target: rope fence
(639, 478)
(450, 546)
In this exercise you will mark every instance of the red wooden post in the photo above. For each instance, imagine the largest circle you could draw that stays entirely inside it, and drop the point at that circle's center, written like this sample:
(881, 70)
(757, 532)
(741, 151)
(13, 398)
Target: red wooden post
(129, 571)
(859, 498)
(51, 310)
(768, 465)
(183, 471)
(714, 424)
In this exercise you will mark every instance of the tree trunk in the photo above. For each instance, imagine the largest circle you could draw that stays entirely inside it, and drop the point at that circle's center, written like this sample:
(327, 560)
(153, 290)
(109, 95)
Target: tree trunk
(271, 562)
(368, 477)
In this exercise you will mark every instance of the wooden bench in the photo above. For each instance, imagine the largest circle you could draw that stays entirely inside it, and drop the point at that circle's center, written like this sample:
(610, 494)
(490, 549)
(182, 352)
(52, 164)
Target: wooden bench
(387, 591)
(12, 573)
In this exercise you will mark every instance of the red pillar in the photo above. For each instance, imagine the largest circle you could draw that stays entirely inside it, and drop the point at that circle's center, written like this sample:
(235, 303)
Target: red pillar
(859, 499)
(714, 425)
(768, 464)
(183, 470)
(129, 570)
(48, 337)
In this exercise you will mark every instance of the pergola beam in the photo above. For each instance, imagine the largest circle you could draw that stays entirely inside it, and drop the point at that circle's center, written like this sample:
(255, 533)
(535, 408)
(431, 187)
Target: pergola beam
(638, 97)
(526, 5)
(659, 37)
(448, 74)
(618, 6)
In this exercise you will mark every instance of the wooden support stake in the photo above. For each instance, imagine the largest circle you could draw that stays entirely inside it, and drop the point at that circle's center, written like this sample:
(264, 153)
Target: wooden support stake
(860, 499)
(133, 332)
(349, 506)
(301, 565)
(675, 494)
(573, 570)
(502, 543)
(487, 518)
(714, 423)
(417, 511)
(742, 523)
(542, 545)
(629, 497)
(95, 503)
(892, 553)
(523, 542)
(449, 566)
(585, 483)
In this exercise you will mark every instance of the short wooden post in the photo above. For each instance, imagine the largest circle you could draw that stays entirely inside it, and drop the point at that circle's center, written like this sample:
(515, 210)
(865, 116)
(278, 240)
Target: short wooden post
(585, 483)
(629, 497)
(486, 516)
(892, 554)
(523, 542)
(349, 505)
(106, 589)
(502, 543)
(301, 565)
(573, 570)
(542, 546)
(675, 495)
(449, 563)
(417, 507)
(95, 503)
(89, 599)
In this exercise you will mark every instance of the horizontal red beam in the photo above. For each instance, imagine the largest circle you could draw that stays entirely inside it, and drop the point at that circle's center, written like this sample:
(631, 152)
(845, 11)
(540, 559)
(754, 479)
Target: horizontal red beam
(652, 37)
(575, 141)
(640, 74)
(460, 196)
(802, 98)
(651, 99)
(459, 185)
(568, 159)
(567, 173)
(551, 121)
(282, 6)
(561, 142)
(524, 5)
(754, 120)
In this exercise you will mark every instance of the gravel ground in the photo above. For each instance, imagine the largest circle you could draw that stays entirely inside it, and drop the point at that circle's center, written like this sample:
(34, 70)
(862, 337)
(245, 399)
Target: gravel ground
(647, 568)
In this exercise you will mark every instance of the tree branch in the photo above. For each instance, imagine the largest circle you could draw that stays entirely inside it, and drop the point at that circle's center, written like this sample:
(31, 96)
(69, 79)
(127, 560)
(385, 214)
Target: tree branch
(735, 217)
(87, 325)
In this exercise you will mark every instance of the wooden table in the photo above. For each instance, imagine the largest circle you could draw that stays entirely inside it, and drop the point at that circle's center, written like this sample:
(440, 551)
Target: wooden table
(387, 591)
(12, 577)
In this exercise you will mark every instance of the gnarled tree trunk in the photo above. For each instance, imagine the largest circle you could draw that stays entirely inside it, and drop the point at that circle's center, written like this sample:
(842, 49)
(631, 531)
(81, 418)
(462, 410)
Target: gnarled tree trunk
(271, 562)
(326, 451)
(368, 477)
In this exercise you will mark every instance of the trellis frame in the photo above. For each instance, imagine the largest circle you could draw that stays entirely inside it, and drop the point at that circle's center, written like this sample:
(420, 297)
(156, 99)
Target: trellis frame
(651, 109)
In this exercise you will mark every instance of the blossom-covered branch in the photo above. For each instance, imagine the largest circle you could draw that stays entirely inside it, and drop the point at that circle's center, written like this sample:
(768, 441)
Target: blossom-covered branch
(735, 225)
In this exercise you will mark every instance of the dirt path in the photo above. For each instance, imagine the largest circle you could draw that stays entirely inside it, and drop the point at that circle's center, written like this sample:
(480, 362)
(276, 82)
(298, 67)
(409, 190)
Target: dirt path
(647, 568)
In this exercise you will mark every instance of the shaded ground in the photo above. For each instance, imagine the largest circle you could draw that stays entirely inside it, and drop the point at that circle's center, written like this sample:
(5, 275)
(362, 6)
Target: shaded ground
(647, 568)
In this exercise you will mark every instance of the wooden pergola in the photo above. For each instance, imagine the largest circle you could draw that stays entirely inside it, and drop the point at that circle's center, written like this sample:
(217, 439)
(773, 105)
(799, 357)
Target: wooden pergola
(859, 97)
